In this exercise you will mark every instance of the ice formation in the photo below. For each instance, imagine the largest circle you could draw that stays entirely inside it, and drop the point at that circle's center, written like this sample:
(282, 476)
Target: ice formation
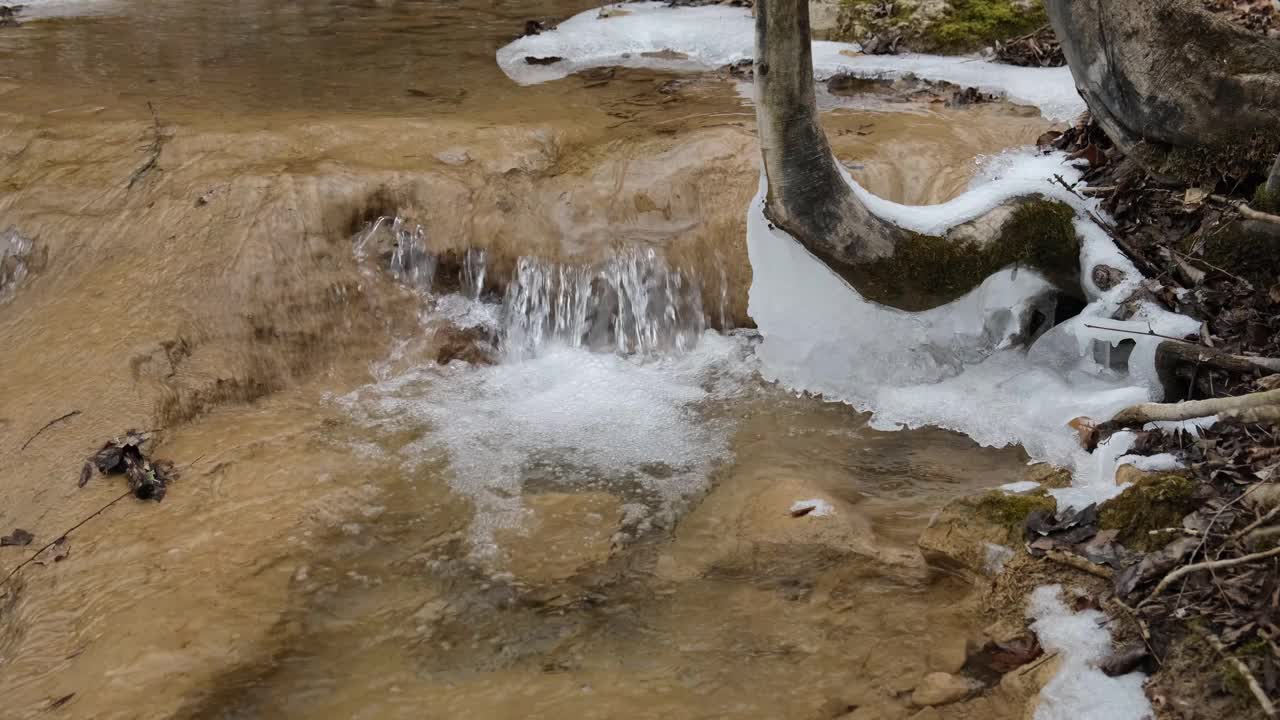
(957, 366)
(1080, 691)
(653, 35)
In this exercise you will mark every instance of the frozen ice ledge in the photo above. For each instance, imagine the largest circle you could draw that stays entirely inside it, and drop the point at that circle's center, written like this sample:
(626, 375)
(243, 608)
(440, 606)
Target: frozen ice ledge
(653, 35)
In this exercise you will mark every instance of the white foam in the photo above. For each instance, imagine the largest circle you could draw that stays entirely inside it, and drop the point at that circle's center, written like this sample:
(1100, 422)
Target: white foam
(713, 36)
(1022, 486)
(566, 416)
(957, 366)
(44, 9)
(1079, 690)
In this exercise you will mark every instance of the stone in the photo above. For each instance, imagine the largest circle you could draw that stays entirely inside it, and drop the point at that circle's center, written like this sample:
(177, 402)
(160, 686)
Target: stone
(1167, 77)
(957, 540)
(748, 522)
(940, 688)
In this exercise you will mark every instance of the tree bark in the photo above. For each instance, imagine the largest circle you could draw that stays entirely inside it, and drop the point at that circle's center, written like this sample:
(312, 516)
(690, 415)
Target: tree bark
(809, 198)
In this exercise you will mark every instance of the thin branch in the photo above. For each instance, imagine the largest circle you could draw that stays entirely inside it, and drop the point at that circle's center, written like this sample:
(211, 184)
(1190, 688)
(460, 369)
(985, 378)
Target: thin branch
(1149, 332)
(1208, 565)
(1259, 694)
(48, 425)
(100, 510)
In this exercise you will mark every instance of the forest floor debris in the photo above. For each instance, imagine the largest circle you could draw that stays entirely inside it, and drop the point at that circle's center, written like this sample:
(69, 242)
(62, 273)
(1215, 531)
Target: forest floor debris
(148, 480)
(1193, 554)
(1039, 48)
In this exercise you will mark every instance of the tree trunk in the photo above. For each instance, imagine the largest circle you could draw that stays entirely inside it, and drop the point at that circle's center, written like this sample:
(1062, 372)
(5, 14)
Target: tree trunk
(809, 198)
(1183, 90)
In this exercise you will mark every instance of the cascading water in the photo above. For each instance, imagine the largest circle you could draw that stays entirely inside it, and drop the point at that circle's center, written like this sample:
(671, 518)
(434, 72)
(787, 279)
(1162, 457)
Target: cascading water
(632, 303)
(607, 379)
(14, 249)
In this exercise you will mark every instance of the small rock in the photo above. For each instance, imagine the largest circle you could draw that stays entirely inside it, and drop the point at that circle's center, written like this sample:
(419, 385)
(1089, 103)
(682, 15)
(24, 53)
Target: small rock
(940, 688)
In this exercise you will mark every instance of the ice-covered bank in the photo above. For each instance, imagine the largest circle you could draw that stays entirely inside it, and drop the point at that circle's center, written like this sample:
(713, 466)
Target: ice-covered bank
(962, 366)
(654, 35)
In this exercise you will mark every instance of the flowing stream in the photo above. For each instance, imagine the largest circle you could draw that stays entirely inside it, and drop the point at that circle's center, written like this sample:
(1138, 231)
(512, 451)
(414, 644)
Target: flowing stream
(586, 509)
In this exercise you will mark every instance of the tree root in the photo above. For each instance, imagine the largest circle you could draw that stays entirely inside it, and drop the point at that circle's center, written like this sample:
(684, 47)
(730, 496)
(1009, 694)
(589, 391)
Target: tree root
(1259, 694)
(1245, 210)
(1251, 408)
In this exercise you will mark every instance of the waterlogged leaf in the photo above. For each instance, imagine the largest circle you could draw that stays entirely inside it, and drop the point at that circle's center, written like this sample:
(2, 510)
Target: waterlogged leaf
(18, 538)
(56, 552)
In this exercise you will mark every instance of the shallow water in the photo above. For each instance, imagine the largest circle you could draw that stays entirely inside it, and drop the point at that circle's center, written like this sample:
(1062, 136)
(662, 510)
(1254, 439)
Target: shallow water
(360, 532)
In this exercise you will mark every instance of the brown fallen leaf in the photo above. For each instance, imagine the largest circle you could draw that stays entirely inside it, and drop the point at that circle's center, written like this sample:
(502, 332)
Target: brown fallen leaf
(18, 538)
(1087, 430)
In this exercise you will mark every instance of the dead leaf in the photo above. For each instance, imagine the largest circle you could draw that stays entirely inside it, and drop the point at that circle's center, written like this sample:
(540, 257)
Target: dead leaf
(1087, 430)
(19, 538)
(1195, 196)
(86, 473)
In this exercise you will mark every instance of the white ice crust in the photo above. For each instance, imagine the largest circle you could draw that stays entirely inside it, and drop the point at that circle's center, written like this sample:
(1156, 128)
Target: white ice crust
(957, 366)
(653, 35)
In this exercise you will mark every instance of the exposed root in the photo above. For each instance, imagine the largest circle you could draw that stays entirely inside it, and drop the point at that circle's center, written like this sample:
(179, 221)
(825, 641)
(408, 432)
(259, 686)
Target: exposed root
(1251, 408)
(1247, 211)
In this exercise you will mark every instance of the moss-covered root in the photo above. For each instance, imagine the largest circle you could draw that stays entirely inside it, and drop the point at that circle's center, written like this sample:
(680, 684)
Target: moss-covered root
(963, 26)
(926, 270)
(1156, 502)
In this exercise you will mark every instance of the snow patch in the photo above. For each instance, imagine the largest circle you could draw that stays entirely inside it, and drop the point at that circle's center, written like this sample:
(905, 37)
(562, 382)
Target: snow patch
(1080, 691)
(653, 35)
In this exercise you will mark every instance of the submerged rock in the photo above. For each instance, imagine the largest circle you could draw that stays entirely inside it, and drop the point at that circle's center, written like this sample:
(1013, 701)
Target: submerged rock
(940, 688)
(958, 539)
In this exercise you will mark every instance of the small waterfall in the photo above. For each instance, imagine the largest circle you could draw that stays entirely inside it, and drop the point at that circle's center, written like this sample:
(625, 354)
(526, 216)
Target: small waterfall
(632, 303)
(474, 265)
(405, 248)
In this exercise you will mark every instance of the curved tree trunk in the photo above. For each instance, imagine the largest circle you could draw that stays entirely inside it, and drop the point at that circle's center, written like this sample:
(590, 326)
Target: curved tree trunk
(1183, 90)
(809, 198)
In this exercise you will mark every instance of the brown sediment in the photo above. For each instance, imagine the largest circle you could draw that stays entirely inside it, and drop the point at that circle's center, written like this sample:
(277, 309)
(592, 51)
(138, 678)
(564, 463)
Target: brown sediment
(218, 299)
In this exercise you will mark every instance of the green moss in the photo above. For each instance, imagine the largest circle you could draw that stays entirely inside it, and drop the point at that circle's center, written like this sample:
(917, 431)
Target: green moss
(1010, 511)
(1264, 201)
(1153, 503)
(974, 24)
(926, 271)
(1252, 255)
